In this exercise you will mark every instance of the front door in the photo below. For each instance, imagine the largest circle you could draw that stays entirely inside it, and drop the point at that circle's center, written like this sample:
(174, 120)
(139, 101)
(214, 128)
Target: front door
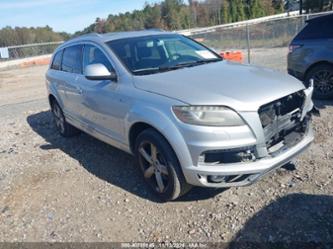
(100, 103)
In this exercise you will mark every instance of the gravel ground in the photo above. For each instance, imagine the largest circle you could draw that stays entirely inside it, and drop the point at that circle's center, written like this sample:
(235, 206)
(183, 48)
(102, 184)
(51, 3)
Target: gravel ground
(80, 189)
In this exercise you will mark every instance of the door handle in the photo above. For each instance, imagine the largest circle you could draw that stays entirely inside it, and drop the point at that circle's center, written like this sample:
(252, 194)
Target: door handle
(79, 90)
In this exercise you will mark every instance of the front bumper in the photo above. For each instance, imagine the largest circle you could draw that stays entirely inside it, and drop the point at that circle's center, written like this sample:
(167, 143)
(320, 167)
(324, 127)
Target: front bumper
(251, 139)
(244, 173)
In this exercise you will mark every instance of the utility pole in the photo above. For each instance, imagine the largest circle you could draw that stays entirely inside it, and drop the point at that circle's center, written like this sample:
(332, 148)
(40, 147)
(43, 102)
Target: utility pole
(300, 7)
(248, 44)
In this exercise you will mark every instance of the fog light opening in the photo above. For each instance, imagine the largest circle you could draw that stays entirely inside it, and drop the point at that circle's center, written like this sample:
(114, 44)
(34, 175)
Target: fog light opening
(238, 155)
(227, 178)
(217, 179)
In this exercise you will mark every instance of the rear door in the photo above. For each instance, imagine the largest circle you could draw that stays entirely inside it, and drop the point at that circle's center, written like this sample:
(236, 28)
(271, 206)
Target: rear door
(71, 70)
(55, 78)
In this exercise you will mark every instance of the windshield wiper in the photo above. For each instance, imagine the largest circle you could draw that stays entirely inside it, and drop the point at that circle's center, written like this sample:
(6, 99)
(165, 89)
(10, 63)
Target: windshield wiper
(188, 64)
(146, 71)
(152, 70)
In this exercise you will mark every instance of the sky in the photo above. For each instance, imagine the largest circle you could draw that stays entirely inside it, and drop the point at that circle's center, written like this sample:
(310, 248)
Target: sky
(62, 15)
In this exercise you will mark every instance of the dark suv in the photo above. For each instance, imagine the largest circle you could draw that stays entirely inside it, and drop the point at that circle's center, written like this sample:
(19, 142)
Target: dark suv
(311, 55)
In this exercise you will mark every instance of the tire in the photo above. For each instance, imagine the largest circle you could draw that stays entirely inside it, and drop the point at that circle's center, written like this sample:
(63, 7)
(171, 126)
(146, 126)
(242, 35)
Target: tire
(159, 164)
(323, 81)
(65, 129)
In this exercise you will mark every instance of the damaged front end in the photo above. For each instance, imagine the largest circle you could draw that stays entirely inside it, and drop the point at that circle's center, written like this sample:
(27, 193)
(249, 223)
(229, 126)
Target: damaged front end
(285, 121)
(283, 133)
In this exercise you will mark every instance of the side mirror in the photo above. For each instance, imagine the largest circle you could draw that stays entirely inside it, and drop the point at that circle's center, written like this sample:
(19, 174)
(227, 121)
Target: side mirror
(99, 72)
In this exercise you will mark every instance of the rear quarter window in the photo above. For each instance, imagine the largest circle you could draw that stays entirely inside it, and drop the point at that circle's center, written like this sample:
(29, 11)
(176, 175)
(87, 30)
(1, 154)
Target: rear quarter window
(56, 63)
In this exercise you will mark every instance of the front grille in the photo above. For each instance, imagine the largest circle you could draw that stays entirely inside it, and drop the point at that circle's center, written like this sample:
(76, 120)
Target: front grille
(282, 117)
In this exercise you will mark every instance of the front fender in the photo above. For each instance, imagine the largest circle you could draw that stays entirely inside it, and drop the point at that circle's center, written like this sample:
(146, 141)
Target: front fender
(163, 121)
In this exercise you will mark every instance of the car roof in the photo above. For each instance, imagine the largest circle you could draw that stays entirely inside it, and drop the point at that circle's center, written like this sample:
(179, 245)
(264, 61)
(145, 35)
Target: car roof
(328, 17)
(102, 38)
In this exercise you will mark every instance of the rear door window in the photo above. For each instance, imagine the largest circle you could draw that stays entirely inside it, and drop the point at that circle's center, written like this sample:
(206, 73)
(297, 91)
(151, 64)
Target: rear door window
(56, 64)
(72, 59)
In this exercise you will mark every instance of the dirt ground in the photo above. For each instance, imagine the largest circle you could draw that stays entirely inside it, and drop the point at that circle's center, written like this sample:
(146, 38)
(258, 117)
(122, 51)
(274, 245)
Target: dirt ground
(80, 189)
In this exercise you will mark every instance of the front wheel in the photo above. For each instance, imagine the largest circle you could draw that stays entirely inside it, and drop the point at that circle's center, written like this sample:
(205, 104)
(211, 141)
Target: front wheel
(322, 76)
(159, 165)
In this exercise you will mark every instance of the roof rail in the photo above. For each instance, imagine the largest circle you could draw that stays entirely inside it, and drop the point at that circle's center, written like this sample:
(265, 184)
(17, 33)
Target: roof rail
(91, 34)
(86, 35)
(155, 29)
(325, 16)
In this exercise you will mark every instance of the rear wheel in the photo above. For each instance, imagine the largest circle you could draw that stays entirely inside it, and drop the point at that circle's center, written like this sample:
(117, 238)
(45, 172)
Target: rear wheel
(322, 76)
(160, 166)
(64, 128)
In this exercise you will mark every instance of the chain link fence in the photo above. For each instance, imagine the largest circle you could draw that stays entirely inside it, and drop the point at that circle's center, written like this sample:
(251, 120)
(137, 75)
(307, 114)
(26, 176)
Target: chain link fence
(263, 42)
(27, 50)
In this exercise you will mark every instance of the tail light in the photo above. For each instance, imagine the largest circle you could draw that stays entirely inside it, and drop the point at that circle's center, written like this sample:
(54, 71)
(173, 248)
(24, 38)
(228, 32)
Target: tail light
(294, 47)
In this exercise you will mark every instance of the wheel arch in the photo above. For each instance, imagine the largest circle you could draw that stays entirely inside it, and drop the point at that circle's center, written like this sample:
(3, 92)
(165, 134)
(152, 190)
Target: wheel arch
(52, 99)
(135, 131)
(324, 62)
(145, 118)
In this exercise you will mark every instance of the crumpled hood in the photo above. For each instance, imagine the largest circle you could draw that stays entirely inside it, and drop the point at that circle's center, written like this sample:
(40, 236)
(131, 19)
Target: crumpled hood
(241, 87)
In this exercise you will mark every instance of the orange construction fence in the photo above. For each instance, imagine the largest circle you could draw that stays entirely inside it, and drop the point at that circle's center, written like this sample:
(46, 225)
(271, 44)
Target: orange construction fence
(37, 61)
(236, 56)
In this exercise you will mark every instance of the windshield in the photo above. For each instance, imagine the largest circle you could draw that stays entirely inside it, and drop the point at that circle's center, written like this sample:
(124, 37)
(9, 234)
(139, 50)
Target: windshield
(160, 53)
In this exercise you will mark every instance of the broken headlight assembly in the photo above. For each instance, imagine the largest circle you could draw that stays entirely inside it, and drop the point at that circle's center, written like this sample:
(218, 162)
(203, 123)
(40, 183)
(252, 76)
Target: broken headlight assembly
(208, 115)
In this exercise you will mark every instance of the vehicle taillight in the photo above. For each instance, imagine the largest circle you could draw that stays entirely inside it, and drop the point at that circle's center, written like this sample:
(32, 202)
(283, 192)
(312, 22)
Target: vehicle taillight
(292, 48)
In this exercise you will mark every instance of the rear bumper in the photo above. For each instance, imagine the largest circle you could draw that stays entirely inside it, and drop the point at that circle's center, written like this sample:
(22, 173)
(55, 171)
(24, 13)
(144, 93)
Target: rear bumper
(297, 65)
(296, 74)
(244, 173)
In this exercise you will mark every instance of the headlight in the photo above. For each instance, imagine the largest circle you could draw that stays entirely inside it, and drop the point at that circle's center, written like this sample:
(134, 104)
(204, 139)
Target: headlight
(207, 115)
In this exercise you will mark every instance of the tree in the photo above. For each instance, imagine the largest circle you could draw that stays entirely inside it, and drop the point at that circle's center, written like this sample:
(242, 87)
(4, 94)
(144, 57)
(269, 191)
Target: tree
(236, 10)
(278, 6)
(256, 9)
(99, 25)
(152, 16)
(225, 12)
(170, 13)
(193, 4)
(202, 16)
(214, 11)
(23, 35)
(185, 17)
(317, 5)
(175, 14)
(240, 10)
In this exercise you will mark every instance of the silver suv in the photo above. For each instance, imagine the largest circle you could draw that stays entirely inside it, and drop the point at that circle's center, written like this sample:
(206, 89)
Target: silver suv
(189, 117)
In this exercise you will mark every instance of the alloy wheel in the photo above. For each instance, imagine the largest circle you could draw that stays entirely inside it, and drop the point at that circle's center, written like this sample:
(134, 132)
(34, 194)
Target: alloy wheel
(154, 166)
(323, 81)
(58, 118)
